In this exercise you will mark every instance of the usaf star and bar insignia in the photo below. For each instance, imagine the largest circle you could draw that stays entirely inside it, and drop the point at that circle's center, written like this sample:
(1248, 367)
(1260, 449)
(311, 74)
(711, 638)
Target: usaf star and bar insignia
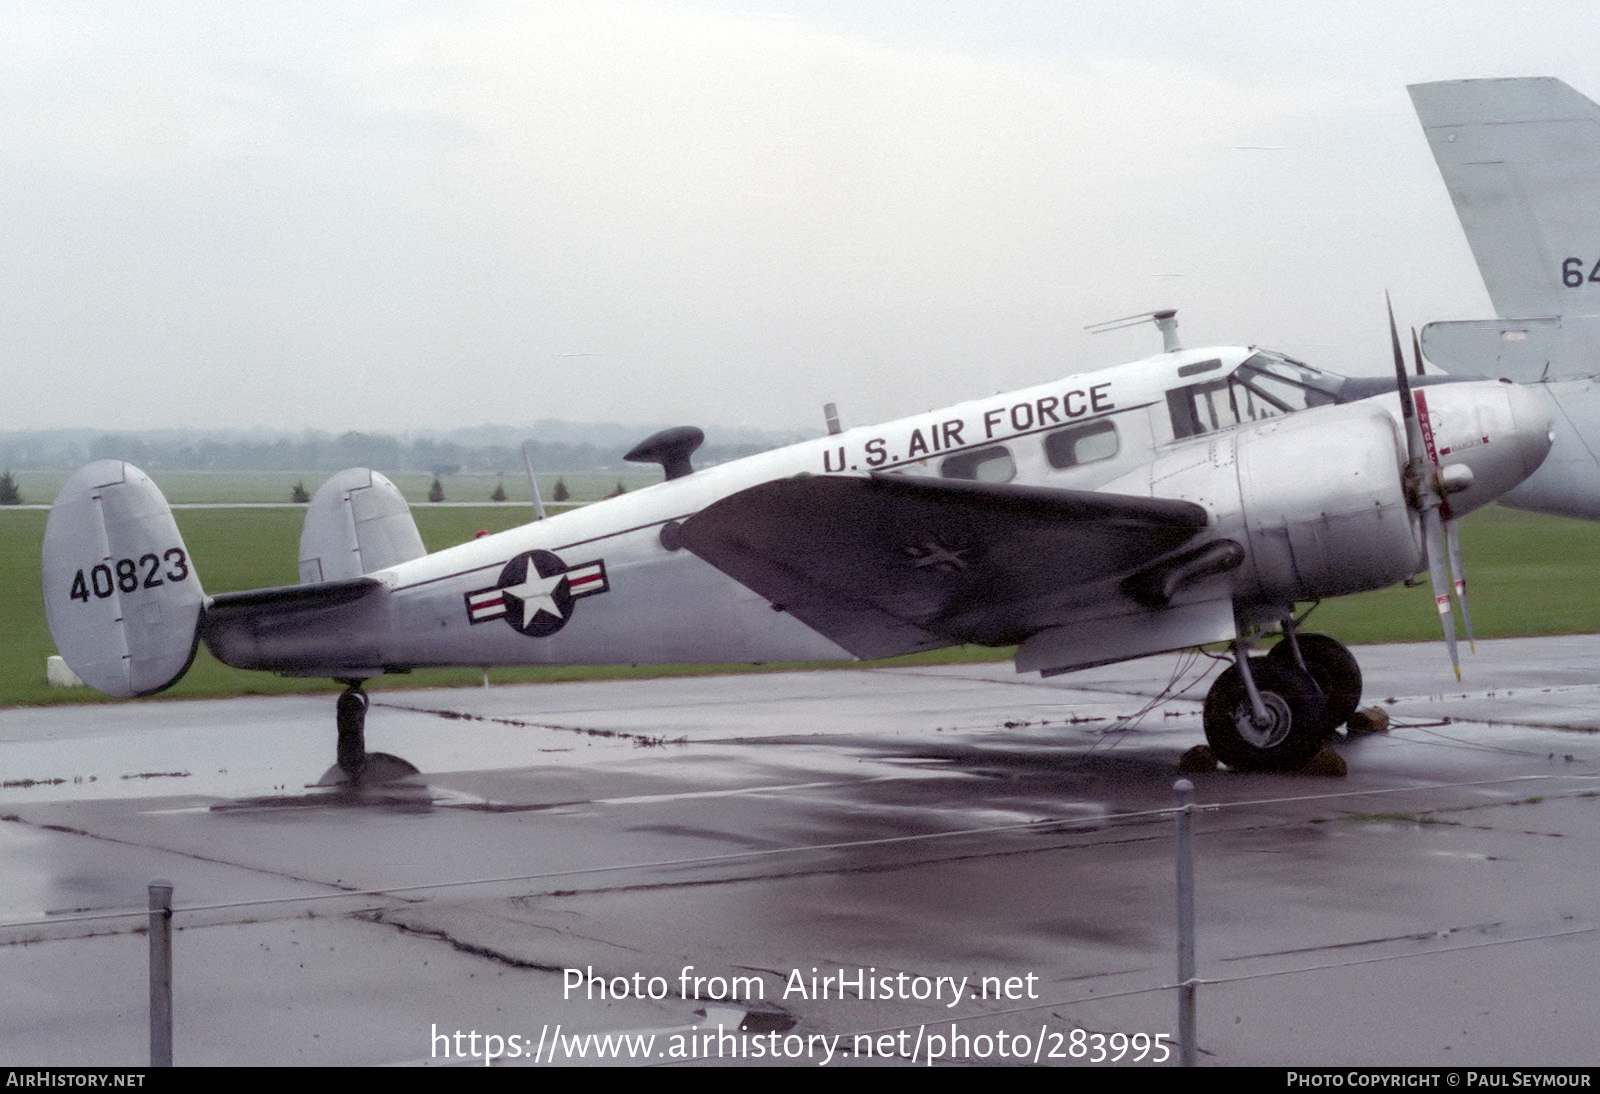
(536, 592)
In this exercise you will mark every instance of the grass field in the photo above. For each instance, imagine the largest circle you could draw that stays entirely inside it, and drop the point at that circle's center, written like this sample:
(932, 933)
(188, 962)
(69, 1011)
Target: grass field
(1530, 575)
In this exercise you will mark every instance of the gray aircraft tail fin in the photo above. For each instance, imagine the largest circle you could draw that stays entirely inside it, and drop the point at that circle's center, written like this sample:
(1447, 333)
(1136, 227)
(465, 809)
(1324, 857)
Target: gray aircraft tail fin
(125, 606)
(120, 593)
(357, 523)
(1521, 159)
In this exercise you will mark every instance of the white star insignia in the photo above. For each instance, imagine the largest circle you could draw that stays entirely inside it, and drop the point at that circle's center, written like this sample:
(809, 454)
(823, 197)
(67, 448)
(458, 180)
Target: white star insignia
(536, 594)
(934, 553)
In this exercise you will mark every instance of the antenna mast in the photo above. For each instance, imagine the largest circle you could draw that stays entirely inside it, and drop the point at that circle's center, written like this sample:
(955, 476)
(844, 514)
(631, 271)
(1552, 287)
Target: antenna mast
(1166, 322)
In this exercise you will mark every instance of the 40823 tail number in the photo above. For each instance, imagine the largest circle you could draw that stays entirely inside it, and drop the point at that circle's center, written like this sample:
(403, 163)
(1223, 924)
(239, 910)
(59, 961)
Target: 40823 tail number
(148, 571)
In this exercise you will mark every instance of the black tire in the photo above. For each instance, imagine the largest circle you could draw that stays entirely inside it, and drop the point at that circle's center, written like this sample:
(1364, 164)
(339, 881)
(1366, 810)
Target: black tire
(1298, 722)
(1332, 666)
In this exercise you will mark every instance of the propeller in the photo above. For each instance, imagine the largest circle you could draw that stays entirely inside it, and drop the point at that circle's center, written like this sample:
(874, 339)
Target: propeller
(1452, 529)
(1429, 486)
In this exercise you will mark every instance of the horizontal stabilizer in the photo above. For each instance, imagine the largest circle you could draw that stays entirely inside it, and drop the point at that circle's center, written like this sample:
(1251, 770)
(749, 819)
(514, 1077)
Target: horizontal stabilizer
(357, 523)
(290, 598)
(1527, 351)
(120, 592)
(301, 630)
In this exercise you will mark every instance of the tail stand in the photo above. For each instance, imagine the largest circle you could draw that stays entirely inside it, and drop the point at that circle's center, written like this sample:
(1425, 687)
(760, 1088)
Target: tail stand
(356, 766)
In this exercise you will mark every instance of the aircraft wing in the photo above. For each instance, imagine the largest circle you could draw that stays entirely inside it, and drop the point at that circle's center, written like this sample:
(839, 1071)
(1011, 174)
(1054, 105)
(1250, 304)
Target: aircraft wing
(892, 564)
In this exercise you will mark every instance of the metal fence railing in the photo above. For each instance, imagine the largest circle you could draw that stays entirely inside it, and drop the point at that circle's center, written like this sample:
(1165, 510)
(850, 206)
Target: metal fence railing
(159, 915)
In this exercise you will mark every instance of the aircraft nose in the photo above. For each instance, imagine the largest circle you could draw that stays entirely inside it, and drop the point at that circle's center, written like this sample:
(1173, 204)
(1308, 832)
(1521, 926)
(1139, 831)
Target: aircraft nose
(1500, 431)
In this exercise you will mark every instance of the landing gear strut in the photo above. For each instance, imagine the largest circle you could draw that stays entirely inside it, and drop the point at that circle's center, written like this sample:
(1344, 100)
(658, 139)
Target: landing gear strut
(1330, 664)
(1275, 712)
(356, 766)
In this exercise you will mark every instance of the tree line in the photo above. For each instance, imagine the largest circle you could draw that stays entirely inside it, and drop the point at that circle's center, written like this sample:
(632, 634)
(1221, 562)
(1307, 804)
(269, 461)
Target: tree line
(163, 451)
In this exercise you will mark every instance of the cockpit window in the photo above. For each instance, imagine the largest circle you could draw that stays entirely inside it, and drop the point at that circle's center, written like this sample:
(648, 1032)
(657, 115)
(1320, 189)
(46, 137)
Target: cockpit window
(1286, 383)
(1266, 385)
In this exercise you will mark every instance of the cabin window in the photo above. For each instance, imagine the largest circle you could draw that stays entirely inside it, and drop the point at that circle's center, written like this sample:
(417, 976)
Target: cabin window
(981, 465)
(1216, 404)
(1081, 444)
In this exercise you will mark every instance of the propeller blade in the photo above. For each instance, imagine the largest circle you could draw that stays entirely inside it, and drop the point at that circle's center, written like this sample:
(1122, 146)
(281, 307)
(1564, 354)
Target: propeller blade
(1433, 535)
(1422, 482)
(1452, 533)
(1458, 568)
(1408, 405)
(1399, 362)
(1425, 424)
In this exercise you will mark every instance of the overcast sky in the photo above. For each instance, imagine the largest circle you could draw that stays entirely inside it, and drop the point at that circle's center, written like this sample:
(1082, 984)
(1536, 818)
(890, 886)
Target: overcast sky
(357, 215)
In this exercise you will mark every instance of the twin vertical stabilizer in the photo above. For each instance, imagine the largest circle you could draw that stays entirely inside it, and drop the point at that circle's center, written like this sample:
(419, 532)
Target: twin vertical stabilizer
(124, 603)
(120, 593)
(357, 523)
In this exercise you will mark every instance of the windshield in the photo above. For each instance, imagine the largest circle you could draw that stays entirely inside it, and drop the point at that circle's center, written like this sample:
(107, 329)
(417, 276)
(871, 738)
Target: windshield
(1265, 385)
(1285, 384)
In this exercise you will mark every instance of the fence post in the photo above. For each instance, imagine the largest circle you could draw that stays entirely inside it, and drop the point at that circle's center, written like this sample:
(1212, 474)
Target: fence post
(1187, 1051)
(161, 973)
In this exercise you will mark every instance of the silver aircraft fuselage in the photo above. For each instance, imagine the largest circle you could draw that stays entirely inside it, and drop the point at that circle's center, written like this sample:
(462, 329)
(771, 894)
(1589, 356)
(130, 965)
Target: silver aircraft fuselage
(1308, 483)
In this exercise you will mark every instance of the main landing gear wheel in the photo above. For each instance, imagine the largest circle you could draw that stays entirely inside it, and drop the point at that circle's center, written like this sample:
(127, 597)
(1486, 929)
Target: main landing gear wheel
(1332, 666)
(356, 766)
(1292, 732)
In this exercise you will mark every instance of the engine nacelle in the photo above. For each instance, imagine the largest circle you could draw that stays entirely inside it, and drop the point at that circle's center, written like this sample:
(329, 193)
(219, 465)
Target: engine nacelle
(1325, 507)
(1316, 499)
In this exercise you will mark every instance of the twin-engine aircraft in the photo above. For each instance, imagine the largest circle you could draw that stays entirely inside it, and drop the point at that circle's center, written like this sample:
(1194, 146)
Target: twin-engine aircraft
(1190, 498)
(1521, 159)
